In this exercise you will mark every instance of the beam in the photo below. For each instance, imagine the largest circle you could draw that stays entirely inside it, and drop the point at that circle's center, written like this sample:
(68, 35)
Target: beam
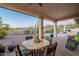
(27, 10)
(68, 17)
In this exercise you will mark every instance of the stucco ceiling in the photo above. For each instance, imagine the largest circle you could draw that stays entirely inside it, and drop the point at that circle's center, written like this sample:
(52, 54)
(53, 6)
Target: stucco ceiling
(52, 11)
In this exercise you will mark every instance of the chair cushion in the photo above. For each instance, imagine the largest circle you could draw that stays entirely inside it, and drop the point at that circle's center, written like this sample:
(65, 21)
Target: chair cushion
(71, 44)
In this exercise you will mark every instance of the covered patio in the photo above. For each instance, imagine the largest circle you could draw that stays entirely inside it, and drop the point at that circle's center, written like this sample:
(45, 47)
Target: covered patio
(53, 12)
(60, 51)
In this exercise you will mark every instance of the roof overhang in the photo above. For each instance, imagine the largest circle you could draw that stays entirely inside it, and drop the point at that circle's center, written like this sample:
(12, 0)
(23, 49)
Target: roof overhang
(51, 11)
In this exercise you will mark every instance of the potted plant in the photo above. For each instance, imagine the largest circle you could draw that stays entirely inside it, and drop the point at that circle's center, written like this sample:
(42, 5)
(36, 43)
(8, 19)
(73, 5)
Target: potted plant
(2, 48)
(37, 37)
(11, 48)
(37, 33)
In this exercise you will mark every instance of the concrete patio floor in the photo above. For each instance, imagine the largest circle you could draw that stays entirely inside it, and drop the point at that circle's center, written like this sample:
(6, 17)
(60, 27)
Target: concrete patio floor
(61, 50)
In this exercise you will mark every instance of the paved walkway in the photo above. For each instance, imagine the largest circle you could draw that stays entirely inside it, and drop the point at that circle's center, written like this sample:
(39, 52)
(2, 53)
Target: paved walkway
(18, 39)
(9, 39)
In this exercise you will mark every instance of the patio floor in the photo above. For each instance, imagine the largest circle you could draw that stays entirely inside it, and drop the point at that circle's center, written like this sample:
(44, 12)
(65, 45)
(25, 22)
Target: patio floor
(61, 50)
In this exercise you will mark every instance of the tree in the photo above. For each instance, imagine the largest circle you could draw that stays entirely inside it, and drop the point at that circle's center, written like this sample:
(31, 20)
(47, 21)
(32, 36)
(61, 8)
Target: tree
(60, 28)
(49, 28)
(29, 30)
(3, 28)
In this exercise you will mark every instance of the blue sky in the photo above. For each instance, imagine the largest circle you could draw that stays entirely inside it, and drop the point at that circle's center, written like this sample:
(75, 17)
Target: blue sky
(16, 19)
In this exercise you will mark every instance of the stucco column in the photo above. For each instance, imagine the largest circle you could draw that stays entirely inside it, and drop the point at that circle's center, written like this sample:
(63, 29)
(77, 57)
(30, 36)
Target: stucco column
(55, 29)
(41, 30)
(64, 28)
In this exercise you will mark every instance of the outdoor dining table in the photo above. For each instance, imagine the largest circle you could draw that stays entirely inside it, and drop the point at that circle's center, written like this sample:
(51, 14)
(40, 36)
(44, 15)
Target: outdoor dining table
(31, 45)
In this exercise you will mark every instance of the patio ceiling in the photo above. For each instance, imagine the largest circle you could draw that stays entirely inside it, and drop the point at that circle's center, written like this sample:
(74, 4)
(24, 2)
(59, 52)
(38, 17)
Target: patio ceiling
(52, 11)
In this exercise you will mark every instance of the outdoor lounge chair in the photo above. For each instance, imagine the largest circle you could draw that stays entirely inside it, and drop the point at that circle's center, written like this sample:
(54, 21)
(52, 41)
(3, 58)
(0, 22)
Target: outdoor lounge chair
(20, 51)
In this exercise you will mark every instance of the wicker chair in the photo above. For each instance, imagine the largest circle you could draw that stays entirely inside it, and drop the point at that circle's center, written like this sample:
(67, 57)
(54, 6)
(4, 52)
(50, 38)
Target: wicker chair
(22, 52)
(49, 50)
(28, 37)
(51, 36)
(71, 44)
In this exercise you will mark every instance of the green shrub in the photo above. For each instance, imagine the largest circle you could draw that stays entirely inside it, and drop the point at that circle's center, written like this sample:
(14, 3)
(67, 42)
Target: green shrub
(4, 28)
(3, 34)
(27, 32)
(77, 38)
(2, 48)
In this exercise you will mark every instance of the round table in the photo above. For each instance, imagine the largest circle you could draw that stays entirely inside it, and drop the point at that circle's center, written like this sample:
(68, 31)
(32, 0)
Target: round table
(34, 46)
(30, 44)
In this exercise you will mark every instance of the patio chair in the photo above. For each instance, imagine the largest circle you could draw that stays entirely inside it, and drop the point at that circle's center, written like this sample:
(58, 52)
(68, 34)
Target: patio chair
(49, 50)
(28, 37)
(71, 44)
(51, 36)
(20, 51)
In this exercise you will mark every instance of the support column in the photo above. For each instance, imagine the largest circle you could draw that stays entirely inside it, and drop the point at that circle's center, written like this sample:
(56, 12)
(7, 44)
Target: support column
(64, 28)
(41, 30)
(55, 29)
